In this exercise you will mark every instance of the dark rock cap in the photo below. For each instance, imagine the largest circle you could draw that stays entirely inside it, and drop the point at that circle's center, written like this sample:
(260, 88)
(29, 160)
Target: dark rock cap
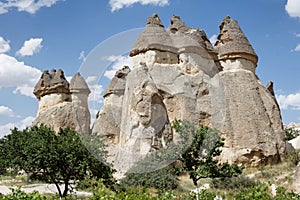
(78, 84)
(232, 42)
(153, 37)
(49, 83)
(179, 38)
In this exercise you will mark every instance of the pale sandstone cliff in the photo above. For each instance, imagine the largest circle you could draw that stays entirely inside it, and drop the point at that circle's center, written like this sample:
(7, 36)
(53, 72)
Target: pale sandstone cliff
(178, 74)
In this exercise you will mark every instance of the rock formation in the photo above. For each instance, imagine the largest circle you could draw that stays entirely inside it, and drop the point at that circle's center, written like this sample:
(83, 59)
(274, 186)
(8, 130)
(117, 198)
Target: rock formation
(296, 181)
(62, 104)
(178, 74)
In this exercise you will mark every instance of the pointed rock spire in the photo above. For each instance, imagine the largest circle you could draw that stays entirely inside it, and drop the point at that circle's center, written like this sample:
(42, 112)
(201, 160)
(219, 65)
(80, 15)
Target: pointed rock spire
(78, 84)
(153, 37)
(232, 42)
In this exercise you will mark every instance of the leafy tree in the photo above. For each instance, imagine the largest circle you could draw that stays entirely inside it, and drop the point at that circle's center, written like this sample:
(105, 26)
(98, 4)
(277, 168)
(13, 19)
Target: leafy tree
(55, 158)
(199, 157)
(291, 133)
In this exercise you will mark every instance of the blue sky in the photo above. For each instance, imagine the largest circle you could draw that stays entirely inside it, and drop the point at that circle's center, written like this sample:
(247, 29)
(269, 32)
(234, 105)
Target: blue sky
(36, 35)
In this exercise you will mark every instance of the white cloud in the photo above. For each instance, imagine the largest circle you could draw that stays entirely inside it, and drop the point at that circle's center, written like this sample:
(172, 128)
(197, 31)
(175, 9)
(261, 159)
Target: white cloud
(30, 47)
(298, 35)
(118, 62)
(292, 7)
(30, 6)
(6, 129)
(82, 56)
(16, 74)
(6, 111)
(291, 101)
(4, 45)
(297, 48)
(96, 90)
(119, 4)
(213, 39)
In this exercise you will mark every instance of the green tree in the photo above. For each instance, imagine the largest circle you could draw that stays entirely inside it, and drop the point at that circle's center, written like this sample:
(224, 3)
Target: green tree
(199, 155)
(291, 133)
(60, 158)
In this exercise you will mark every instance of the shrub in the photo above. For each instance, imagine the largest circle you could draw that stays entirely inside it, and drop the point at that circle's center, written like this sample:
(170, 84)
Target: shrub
(236, 184)
(162, 179)
(293, 157)
(291, 133)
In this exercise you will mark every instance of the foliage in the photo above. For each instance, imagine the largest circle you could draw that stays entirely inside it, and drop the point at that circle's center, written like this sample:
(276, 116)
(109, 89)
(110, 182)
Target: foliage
(102, 192)
(199, 157)
(162, 179)
(237, 184)
(54, 158)
(283, 194)
(259, 192)
(293, 157)
(18, 194)
(291, 133)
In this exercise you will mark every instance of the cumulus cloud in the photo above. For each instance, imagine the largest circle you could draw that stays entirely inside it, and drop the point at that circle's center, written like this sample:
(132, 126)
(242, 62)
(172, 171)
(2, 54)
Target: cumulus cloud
(16, 74)
(119, 4)
(96, 90)
(6, 111)
(6, 128)
(118, 62)
(30, 6)
(291, 101)
(30, 47)
(292, 7)
(297, 48)
(213, 39)
(4, 45)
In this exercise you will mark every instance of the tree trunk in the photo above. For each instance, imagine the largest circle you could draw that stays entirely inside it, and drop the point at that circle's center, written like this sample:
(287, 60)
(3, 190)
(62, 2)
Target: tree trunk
(196, 188)
(58, 189)
(66, 189)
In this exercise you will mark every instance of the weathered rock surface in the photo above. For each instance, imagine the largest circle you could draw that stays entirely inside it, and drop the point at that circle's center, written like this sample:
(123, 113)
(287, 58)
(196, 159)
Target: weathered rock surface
(296, 182)
(177, 74)
(62, 104)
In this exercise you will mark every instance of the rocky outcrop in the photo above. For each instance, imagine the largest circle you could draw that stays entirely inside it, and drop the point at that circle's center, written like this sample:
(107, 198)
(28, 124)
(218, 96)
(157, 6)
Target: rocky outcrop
(62, 104)
(178, 74)
(252, 128)
(296, 181)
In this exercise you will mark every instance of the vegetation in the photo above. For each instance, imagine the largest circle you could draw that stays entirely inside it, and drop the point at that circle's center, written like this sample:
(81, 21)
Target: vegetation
(65, 158)
(199, 157)
(53, 158)
(162, 179)
(291, 133)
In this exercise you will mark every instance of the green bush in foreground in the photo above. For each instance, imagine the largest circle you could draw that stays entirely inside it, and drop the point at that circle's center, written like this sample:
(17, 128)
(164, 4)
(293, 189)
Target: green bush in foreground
(162, 179)
(258, 192)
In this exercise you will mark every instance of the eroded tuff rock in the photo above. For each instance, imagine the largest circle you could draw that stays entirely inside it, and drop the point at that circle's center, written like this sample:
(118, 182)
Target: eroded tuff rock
(177, 74)
(296, 181)
(62, 104)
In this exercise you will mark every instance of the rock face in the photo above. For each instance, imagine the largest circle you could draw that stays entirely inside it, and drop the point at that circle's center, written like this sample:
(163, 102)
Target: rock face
(296, 181)
(62, 104)
(178, 74)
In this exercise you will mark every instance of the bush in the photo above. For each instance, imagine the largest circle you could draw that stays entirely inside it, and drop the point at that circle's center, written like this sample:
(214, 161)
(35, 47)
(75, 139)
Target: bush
(293, 157)
(259, 192)
(162, 179)
(18, 194)
(291, 133)
(236, 184)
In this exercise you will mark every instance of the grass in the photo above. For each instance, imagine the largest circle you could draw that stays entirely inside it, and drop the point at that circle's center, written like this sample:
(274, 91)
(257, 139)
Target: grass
(281, 174)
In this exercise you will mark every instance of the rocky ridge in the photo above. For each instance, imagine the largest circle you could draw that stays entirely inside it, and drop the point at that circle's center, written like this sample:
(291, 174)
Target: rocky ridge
(178, 74)
(62, 104)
